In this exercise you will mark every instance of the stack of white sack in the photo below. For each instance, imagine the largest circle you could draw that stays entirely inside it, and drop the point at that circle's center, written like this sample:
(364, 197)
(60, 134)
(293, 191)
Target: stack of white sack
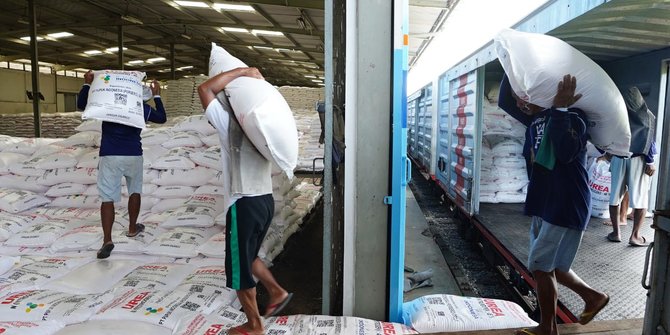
(309, 131)
(503, 167)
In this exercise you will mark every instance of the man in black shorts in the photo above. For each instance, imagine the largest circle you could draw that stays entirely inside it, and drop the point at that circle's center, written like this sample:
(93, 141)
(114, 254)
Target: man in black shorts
(248, 196)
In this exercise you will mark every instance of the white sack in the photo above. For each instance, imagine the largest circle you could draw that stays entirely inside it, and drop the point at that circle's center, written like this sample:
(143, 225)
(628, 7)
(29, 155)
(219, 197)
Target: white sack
(168, 205)
(194, 177)
(155, 276)
(85, 138)
(172, 192)
(26, 183)
(9, 158)
(215, 246)
(7, 263)
(114, 327)
(95, 277)
(42, 234)
(209, 279)
(155, 137)
(14, 201)
(262, 112)
(176, 158)
(183, 139)
(76, 201)
(38, 272)
(90, 125)
(449, 313)
(198, 211)
(211, 140)
(197, 123)
(79, 238)
(162, 308)
(137, 244)
(180, 241)
(47, 305)
(60, 190)
(68, 175)
(89, 160)
(30, 328)
(535, 63)
(116, 96)
(600, 183)
(210, 158)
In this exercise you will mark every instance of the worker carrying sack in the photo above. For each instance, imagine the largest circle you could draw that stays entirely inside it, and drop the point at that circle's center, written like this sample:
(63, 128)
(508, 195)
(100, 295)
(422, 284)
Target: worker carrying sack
(535, 63)
(116, 96)
(261, 111)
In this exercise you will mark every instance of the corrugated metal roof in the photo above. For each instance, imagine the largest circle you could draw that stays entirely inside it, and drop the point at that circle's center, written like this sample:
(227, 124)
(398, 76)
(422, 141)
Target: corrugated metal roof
(603, 30)
(425, 20)
(151, 25)
(619, 29)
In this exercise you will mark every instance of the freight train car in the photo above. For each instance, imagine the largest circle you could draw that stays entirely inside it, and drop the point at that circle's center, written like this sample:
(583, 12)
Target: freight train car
(476, 149)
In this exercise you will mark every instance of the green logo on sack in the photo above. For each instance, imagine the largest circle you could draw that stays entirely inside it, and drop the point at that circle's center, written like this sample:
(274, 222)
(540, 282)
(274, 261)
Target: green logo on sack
(105, 78)
(32, 306)
(153, 310)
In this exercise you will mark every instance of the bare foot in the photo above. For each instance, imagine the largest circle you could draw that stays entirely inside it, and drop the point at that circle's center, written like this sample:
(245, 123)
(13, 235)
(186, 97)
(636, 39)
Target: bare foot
(245, 329)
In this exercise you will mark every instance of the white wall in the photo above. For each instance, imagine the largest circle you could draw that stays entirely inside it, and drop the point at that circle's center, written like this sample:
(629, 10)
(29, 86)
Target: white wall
(15, 83)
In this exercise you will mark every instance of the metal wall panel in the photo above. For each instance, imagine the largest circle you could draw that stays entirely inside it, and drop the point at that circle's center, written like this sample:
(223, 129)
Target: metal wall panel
(463, 137)
(425, 127)
(442, 170)
(412, 103)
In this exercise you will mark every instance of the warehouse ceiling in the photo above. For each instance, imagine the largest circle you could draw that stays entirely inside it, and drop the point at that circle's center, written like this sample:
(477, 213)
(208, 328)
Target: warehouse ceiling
(283, 38)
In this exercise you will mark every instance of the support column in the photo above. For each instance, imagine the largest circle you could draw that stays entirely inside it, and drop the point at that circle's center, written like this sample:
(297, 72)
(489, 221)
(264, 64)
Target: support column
(367, 154)
(120, 44)
(326, 305)
(173, 74)
(35, 68)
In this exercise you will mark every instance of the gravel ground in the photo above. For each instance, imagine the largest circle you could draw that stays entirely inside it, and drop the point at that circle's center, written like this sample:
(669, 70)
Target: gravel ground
(474, 275)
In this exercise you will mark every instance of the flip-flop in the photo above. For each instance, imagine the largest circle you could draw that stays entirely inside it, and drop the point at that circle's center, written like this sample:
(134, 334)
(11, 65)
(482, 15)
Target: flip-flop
(236, 330)
(613, 238)
(106, 250)
(524, 331)
(635, 244)
(274, 309)
(586, 317)
(138, 229)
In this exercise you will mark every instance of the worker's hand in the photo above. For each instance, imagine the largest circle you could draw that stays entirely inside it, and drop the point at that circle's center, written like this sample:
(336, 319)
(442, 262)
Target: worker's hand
(155, 88)
(649, 169)
(251, 72)
(565, 94)
(88, 77)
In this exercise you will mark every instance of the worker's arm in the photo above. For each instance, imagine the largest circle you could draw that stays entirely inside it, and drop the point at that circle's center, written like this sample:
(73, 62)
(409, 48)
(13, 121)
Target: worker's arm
(156, 115)
(82, 98)
(210, 88)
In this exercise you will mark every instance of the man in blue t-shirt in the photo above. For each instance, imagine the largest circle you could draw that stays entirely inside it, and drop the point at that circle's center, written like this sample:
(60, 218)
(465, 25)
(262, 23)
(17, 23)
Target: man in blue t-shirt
(121, 156)
(558, 198)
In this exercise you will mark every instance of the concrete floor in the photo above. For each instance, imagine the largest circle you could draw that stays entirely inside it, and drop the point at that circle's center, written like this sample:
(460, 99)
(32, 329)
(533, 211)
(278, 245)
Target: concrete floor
(422, 253)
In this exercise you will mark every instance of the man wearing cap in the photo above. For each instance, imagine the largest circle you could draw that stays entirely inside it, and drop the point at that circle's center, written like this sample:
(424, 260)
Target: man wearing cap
(634, 174)
(121, 156)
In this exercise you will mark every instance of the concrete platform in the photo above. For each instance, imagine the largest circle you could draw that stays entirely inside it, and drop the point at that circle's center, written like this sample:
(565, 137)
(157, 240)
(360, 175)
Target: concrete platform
(422, 253)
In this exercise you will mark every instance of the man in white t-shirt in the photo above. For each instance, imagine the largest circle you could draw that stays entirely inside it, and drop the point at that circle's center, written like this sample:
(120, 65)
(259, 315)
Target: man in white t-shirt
(247, 191)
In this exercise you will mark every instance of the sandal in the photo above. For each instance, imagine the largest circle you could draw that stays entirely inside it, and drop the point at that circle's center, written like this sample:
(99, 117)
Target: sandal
(138, 229)
(586, 317)
(274, 309)
(637, 244)
(105, 250)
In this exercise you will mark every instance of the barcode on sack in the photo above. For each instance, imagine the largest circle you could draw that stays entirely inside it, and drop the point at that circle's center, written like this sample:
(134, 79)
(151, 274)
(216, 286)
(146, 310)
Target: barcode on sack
(275, 332)
(16, 275)
(190, 306)
(229, 315)
(325, 323)
(440, 313)
(120, 99)
(197, 288)
(131, 283)
(434, 301)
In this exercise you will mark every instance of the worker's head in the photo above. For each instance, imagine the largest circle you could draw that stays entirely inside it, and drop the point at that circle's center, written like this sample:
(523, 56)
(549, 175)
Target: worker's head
(525, 106)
